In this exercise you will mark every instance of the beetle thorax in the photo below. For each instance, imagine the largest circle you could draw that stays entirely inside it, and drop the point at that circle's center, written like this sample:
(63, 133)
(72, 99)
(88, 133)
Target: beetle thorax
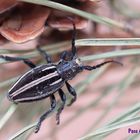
(68, 69)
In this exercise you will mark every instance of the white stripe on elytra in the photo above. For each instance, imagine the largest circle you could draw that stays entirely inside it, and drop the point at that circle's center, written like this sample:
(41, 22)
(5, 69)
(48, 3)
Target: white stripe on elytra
(33, 83)
(51, 67)
(30, 98)
(19, 80)
(56, 82)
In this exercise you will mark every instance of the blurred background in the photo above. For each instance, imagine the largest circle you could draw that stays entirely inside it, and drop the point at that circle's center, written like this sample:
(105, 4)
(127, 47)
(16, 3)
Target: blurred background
(108, 98)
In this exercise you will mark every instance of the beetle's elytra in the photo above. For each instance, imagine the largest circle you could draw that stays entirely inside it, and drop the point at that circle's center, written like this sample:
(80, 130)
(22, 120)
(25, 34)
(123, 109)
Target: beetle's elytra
(44, 80)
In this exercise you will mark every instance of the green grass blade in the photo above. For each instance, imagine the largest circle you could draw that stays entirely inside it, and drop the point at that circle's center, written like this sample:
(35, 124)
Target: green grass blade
(8, 114)
(18, 134)
(93, 17)
(8, 82)
(80, 42)
(119, 53)
(108, 42)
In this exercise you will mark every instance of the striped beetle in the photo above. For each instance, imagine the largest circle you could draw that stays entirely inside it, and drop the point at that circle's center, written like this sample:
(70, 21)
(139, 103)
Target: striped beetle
(43, 81)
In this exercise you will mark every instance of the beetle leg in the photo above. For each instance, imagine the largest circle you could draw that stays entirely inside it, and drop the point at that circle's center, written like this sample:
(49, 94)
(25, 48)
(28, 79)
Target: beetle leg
(43, 117)
(101, 64)
(72, 92)
(74, 50)
(63, 98)
(45, 55)
(13, 59)
(63, 55)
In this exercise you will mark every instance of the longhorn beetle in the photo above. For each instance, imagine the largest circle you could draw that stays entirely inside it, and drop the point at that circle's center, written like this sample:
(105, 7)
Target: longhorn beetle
(43, 81)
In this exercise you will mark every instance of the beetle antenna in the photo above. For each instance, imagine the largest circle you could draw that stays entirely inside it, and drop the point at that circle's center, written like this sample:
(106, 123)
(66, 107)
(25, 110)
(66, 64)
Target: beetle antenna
(101, 64)
(74, 50)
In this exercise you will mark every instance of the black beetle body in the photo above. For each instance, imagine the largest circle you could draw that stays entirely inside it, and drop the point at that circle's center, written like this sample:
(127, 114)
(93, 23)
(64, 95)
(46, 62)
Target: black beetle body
(41, 81)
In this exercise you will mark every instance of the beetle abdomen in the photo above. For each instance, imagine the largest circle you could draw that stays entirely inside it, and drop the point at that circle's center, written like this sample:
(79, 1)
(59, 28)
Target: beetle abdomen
(36, 84)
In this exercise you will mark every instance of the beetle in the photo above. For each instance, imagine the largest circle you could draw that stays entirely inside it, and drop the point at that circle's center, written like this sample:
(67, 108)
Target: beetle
(45, 80)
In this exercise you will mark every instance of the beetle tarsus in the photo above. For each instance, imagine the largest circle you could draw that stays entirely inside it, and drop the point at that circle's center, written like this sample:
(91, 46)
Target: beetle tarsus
(43, 117)
(37, 127)
(63, 98)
